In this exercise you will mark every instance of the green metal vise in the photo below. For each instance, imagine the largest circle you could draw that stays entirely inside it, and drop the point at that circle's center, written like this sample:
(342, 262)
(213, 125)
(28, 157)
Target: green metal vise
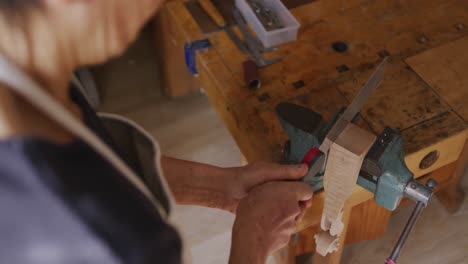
(384, 172)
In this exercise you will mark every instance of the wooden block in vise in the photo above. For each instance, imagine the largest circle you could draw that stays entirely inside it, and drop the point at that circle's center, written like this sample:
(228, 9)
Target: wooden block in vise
(344, 162)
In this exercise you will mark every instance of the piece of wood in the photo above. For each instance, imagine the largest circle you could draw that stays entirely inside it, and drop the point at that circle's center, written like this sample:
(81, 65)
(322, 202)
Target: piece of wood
(335, 257)
(213, 12)
(243, 160)
(452, 197)
(344, 162)
(368, 220)
(445, 69)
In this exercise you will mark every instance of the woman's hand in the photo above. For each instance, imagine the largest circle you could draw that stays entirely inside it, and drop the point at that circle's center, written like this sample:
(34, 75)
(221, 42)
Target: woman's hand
(247, 177)
(205, 185)
(266, 219)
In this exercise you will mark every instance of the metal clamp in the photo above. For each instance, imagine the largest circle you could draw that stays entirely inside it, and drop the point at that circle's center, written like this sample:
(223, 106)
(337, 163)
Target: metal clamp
(189, 52)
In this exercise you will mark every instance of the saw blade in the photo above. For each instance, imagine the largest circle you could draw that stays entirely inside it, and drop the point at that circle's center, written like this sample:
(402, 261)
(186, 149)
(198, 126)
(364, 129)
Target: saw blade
(348, 115)
(355, 107)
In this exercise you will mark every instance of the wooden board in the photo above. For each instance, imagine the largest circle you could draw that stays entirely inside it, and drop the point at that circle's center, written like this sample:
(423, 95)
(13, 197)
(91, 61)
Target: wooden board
(445, 69)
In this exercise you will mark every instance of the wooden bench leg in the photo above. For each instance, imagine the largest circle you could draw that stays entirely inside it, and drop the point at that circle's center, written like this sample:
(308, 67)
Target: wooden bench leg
(335, 257)
(368, 220)
(452, 196)
(169, 42)
(287, 255)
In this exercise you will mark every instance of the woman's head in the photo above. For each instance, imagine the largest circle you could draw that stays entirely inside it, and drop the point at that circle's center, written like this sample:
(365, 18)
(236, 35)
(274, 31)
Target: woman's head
(79, 32)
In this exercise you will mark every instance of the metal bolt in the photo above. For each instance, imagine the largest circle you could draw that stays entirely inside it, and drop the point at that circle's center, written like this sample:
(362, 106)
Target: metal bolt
(413, 186)
(431, 183)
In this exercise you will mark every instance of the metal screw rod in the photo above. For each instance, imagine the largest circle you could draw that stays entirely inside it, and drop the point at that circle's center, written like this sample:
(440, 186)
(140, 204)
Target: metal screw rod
(431, 183)
(406, 231)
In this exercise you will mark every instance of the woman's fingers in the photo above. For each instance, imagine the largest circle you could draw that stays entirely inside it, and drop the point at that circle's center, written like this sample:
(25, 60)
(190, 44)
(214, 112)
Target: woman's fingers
(303, 191)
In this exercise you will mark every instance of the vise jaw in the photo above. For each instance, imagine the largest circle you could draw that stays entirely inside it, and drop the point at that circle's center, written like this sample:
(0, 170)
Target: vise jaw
(384, 171)
(306, 130)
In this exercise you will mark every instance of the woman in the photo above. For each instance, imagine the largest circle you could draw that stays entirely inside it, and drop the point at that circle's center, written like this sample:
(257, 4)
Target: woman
(76, 187)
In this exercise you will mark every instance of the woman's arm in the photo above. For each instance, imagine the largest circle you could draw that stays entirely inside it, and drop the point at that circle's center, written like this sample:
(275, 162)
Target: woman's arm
(201, 184)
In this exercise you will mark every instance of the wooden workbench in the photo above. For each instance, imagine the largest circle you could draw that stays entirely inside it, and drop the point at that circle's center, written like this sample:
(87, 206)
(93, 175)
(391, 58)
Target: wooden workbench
(424, 94)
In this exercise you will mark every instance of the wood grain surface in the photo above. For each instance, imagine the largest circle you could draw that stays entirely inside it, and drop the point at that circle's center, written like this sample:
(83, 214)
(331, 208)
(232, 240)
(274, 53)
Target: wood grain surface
(445, 69)
(342, 170)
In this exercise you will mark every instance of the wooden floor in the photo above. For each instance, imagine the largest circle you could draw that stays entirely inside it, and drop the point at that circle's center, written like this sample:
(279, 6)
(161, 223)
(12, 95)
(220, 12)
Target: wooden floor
(189, 128)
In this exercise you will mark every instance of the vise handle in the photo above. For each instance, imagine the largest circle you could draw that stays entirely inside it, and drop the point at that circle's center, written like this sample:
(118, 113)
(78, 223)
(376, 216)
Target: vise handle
(422, 196)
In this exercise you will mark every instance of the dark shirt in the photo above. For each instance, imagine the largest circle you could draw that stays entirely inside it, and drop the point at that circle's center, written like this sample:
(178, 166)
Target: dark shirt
(66, 204)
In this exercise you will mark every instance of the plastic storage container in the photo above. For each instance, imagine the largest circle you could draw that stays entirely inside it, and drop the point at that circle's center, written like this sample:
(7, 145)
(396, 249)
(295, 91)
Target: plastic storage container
(274, 37)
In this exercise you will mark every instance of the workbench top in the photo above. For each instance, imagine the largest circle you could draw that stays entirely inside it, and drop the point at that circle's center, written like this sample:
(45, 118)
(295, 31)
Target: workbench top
(424, 94)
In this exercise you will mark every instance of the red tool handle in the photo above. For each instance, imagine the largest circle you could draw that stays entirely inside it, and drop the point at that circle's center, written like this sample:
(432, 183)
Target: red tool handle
(309, 156)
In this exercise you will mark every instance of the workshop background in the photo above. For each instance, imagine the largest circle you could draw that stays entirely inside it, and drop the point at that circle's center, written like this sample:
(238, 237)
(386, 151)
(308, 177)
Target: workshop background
(189, 128)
